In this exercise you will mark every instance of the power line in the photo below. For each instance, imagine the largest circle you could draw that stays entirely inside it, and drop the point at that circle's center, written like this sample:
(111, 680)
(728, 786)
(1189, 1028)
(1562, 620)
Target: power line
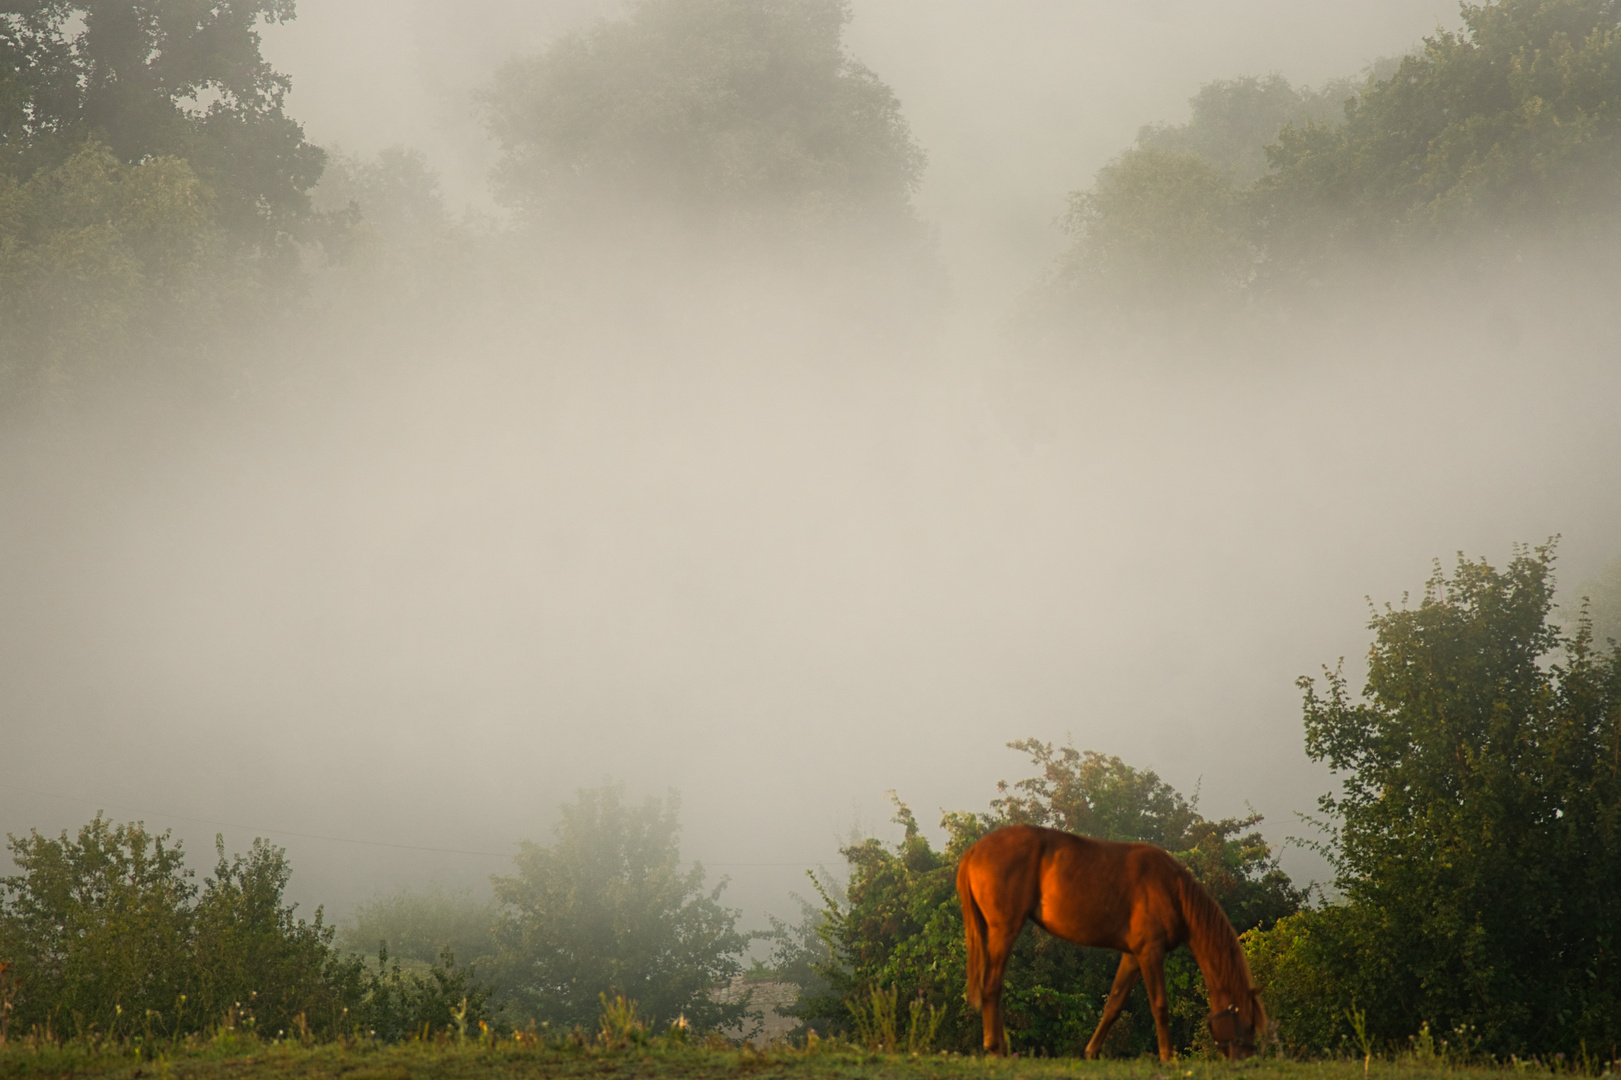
(258, 829)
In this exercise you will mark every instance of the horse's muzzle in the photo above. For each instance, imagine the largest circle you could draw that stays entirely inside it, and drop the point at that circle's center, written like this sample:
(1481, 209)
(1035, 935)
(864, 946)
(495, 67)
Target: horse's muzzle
(1235, 1038)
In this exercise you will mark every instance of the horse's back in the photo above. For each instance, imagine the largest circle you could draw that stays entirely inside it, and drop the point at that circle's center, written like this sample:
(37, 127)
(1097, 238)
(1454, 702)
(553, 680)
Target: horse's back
(1089, 891)
(1014, 845)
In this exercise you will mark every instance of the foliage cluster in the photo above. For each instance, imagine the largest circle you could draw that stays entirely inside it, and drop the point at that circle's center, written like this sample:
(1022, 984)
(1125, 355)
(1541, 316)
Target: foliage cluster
(152, 188)
(1601, 603)
(607, 909)
(99, 262)
(418, 926)
(1477, 835)
(746, 110)
(158, 206)
(1480, 142)
(1233, 120)
(107, 933)
(899, 929)
(159, 78)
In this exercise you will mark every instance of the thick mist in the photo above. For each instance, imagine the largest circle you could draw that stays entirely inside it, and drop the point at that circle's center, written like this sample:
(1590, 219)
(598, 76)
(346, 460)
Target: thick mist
(736, 528)
(1015, 107)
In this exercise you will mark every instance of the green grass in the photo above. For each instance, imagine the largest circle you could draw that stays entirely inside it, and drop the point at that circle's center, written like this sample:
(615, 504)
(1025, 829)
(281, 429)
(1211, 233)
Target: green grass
(235, 1057)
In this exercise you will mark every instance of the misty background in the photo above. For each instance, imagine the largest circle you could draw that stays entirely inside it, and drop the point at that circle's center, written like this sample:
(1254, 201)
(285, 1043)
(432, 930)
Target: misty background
(707, 538)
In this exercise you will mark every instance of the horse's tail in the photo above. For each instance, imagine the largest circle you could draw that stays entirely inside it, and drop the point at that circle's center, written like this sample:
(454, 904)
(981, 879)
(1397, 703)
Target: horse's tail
(973, 925)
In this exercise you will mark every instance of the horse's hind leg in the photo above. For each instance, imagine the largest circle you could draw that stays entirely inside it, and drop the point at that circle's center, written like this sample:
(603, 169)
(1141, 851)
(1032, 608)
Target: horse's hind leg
(998, 947)
(1125, 977)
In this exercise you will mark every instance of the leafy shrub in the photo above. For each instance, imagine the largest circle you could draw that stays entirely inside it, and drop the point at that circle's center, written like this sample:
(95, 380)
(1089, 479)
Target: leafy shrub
(608, 910)
(247, 949)
(419, 927)
(396, 1004)
(97, 930)
(106, 932)
(1478, 827)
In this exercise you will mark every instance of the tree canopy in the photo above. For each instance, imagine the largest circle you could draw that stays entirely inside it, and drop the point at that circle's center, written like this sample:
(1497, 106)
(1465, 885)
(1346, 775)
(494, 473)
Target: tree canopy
(1482, 140)
(607, 909)
(1477, 833)
(153, 192)
(1234, 120)
(1160, 225)
(745, 109)
(155, 78)
(96, 256)
(1513, 122)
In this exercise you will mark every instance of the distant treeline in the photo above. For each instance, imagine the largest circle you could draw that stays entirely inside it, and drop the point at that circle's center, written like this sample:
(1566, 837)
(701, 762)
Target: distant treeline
(157, 202)
(105, 933)
(1484, 143)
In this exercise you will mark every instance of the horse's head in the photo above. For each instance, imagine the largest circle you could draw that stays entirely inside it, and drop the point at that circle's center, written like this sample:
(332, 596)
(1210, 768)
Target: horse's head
(1236, 1026)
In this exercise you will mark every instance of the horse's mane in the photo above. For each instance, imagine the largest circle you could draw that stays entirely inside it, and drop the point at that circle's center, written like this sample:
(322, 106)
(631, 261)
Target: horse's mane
(1214, 943)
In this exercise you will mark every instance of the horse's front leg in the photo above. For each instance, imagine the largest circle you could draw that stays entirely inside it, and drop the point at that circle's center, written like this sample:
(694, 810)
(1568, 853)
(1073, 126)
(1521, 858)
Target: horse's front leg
(1125, 977)
(1152, 962)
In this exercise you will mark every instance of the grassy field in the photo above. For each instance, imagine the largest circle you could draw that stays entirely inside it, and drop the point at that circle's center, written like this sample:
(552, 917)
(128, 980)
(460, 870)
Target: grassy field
(236, 1058)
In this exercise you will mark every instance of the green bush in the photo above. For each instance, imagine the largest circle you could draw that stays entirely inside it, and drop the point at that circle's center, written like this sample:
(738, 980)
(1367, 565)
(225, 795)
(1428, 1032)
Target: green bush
(247, 949)
(608, 910)
(419, 927)
(97, 931)
(1303, 967)
(107, 933)
(397, 1004)
(1478, 828)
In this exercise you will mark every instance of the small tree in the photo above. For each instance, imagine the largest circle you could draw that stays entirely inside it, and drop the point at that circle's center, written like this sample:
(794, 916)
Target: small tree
(607, 909)
(1479, 819)
(97, 928)
(1157, 228)
(249, 949)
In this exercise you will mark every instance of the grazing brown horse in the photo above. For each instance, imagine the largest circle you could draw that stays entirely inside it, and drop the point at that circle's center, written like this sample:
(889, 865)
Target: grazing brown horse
(1132, 897)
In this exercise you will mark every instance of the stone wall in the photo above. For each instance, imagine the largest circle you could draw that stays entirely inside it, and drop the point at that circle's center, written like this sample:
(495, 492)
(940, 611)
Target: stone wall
(767, 996)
